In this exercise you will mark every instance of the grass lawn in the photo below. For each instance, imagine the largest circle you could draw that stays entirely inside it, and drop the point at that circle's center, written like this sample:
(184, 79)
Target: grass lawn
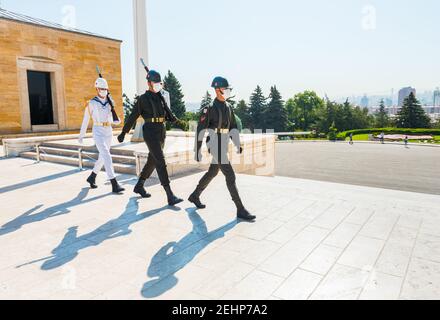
(359, 137)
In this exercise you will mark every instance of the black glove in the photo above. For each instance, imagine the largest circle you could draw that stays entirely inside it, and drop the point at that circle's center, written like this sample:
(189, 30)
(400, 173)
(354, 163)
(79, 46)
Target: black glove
(121, 137)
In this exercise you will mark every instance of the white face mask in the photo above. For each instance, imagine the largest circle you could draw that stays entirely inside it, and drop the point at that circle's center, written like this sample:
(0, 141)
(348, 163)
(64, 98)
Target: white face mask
(157, 87)
(103, 93)
(227, 93)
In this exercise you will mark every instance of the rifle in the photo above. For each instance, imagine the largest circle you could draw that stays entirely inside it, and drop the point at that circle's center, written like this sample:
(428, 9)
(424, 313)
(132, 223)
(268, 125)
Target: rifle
(145, 66)
(109, 97)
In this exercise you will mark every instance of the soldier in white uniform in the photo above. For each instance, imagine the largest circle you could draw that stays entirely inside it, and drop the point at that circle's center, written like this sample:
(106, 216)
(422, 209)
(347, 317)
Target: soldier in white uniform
(100, 111)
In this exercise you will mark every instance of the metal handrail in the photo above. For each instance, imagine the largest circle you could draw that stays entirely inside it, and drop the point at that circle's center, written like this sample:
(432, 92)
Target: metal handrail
(37, 150)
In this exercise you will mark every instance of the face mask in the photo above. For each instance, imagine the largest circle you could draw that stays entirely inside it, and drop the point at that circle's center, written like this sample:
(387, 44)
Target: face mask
(227, 93)
(157, 87)
(103, 93)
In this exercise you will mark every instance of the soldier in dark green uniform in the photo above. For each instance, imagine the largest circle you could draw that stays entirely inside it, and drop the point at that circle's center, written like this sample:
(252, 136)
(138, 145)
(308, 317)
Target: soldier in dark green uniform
(155, 111)
(219, 120)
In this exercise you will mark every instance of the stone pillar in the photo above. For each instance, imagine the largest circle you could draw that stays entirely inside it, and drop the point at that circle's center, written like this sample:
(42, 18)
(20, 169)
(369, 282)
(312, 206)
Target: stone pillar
(141, 51)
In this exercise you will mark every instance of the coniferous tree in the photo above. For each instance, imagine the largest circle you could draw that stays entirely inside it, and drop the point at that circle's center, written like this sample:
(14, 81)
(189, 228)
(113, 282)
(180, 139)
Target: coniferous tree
(276, 114)
(172, 85)
(243, 112)
(128, 105)
(382, 120)
(412, 114)
(256, 108)
(206, 101)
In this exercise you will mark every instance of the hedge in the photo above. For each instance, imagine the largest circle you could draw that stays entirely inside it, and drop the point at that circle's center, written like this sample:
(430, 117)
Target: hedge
(346, 134)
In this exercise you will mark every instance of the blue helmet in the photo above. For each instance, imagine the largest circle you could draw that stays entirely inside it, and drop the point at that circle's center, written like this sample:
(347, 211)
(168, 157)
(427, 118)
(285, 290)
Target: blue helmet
(154, 76)
(220, 82)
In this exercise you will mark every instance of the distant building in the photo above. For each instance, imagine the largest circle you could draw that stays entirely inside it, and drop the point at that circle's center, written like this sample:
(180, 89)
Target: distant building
(47, 72)
(404, 93)
(388, 102)
(365, 102)
(436, 98)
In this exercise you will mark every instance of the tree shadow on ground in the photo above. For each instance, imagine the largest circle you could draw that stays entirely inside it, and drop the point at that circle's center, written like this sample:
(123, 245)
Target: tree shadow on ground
(60, 209)
(174, 256)
(72, 244)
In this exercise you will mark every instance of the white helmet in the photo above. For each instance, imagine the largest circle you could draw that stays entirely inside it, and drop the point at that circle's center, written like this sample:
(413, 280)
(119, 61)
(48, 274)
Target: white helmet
(101, 83)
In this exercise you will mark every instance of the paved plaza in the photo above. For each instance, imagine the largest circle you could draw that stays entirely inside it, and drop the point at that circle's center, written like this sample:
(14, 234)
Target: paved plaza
(389, 166)
(312, 240)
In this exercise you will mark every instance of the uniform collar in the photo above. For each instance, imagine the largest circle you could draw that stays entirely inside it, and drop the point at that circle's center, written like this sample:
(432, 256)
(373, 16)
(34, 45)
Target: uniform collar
(99, 100)
(220, 103)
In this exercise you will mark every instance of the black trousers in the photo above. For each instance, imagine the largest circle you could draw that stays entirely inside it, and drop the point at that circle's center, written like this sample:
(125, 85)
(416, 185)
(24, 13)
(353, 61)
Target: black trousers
(229, 174)
(154, 136)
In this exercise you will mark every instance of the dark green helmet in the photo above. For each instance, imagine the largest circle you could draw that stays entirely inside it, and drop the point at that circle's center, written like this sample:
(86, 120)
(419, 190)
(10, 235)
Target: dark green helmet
(220, 82)
(154, 76)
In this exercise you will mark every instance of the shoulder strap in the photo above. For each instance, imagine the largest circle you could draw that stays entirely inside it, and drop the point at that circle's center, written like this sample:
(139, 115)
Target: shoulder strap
(220, 119)
(153, 105)
(230, 114)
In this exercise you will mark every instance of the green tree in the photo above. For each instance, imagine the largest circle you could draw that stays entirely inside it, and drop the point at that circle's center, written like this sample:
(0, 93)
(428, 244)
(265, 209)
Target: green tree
(276, 112)
(381, 118)
(242, 111)
(206, 101)
(332, 132)
(326, 116)
(256, 108)
(361, 119)
(345, 117)
(128, 105)
(172, 85)
(412, 115)
(304, 110)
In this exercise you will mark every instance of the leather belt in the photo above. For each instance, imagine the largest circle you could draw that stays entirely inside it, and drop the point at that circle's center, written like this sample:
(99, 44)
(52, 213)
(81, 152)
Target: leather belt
(155, 120)
(223, 131)
(102, 124)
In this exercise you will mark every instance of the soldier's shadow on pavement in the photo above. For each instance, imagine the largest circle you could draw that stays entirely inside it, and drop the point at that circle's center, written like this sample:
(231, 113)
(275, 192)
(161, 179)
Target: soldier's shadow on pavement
(37, 181)
(174, 256)
(58, 210)
(72, 244)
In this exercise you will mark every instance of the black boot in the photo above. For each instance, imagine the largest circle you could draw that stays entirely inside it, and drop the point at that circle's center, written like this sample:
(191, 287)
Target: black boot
(139, 189)
(172, 199)
(116, 188)
(243, 214)
(92, 181)
(195, 198)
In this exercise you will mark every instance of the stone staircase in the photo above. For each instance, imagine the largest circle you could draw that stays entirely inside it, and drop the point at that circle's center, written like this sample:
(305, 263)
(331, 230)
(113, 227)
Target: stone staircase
(124, 161)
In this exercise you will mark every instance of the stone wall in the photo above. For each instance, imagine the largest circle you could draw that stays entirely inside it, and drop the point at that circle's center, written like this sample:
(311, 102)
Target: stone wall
(70, 57)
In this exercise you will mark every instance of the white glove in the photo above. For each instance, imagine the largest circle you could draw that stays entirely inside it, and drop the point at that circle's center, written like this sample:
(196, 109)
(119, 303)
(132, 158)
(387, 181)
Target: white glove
(81, 140)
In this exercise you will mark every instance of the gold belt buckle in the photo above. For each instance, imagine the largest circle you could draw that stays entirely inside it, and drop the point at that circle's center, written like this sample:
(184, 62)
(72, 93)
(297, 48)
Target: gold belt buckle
(102, 124)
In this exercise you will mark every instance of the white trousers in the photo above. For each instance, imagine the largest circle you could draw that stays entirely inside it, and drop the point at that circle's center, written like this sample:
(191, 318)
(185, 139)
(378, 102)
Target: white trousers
(103, 139)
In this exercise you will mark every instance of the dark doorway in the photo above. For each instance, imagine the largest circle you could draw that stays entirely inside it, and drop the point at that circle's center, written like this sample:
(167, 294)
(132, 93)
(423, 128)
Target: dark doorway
(40, 98)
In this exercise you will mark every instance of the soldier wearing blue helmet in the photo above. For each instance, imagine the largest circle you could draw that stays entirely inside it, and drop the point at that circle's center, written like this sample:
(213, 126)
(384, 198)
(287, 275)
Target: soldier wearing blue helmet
(219, 120)
(153, 107)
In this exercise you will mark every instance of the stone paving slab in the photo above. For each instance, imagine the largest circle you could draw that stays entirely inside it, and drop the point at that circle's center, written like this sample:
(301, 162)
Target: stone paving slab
(313, 240)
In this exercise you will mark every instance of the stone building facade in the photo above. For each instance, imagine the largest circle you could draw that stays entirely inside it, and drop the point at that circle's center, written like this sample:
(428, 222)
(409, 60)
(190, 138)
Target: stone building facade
(47, 74)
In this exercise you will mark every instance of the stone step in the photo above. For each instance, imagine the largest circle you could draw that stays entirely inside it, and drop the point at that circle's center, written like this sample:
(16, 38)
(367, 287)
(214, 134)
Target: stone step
(119, 167)
(57, 145)
(86, 154)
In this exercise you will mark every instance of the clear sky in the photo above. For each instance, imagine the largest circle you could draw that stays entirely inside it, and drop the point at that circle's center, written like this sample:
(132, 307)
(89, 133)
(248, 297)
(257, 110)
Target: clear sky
(338, 47)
